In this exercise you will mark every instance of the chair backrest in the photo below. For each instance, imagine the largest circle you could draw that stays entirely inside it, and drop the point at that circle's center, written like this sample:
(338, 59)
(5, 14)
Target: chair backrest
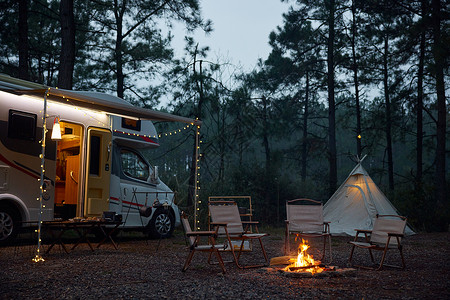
(187, 228)
(226, 212)
(307, 218)
(385, 224)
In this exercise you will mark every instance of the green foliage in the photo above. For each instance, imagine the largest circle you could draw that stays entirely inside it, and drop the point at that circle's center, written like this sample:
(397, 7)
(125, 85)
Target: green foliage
(265, 133)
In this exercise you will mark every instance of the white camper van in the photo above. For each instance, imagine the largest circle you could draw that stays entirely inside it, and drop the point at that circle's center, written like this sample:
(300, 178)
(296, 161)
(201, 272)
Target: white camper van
(96, 168)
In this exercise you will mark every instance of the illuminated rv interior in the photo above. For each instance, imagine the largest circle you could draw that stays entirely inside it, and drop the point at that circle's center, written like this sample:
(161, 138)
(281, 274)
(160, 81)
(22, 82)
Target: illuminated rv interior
(67, 170)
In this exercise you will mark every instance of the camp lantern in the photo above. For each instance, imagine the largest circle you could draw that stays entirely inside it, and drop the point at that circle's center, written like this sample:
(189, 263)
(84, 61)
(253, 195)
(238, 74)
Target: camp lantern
(56, 131)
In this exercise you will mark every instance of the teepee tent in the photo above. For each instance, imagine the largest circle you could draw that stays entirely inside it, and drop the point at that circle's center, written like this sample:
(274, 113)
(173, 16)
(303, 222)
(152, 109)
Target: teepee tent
(356, 203)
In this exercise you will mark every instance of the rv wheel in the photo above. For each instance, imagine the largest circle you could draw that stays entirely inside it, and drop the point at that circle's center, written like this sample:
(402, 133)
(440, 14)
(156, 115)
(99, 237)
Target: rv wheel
(161, 224)
(8, 224)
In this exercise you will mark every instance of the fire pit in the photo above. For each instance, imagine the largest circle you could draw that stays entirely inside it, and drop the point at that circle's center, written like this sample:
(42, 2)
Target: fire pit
(304, 265)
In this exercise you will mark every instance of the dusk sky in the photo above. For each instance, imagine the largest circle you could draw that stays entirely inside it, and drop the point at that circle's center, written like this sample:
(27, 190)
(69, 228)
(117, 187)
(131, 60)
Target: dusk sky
(241, 29)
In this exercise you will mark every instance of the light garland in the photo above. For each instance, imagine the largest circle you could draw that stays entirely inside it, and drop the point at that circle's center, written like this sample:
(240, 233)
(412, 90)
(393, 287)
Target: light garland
(197, 200)
(38, 257)
(160, 135)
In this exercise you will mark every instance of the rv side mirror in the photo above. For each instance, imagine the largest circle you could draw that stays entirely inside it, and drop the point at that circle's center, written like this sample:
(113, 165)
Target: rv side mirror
(154, 176)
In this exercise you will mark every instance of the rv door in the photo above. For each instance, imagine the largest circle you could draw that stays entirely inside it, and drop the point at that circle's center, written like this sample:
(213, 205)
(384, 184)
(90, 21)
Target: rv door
(98, 171)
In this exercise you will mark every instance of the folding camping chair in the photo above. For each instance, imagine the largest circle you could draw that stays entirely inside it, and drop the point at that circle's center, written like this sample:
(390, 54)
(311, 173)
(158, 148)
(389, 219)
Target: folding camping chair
(225, 216)
(305, 220)
(194, 239)
(387, 233)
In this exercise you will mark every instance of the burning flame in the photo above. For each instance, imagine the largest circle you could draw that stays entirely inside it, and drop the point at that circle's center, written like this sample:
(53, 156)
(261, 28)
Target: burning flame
(303, 261)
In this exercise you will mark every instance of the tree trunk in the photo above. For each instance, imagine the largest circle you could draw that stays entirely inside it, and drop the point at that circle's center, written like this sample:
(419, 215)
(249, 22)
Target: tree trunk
(331, 101)
(419, 109)
(120, 78)
(198, 115)
(67, 58)
(23, 40)
(222, 145)
(305, 130)
(268, 200)
(356, 82)
(265, 136)
(439, 63)
(388, 114)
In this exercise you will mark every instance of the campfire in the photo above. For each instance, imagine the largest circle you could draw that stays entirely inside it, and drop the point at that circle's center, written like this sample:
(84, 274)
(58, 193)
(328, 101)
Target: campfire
(304, 266)
(303, 262)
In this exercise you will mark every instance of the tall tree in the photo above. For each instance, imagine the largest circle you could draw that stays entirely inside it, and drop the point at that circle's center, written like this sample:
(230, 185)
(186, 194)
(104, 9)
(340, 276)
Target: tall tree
(420, 99)
(296, 65)
(330, 6)
(388, 110)
(440, 55)
(385, 60)
(67, 56)
(133, 43)
(23, 40)
(326, 21)
(354, 66)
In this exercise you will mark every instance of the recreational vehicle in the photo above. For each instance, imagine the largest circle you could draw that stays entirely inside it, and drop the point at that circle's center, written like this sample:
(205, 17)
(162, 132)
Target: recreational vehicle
(96, 168)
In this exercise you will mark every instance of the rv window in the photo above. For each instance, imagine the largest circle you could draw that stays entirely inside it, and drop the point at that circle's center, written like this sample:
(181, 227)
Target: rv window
(133, 165)
(131, 124)
(22, 125)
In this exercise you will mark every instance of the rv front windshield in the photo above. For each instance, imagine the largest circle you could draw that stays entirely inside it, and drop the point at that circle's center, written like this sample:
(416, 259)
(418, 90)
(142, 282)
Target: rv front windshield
(133, 165)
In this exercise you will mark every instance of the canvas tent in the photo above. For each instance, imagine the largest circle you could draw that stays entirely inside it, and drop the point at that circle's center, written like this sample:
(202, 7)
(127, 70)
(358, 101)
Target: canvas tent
(356, 203)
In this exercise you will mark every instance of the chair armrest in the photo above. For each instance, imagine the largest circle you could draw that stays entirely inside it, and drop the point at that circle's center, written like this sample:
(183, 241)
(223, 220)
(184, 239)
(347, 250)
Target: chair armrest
(248, 224)
(200, 233)
(365, 231)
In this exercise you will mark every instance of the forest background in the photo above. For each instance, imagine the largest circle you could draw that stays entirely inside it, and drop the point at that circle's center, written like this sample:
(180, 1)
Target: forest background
(344, 79)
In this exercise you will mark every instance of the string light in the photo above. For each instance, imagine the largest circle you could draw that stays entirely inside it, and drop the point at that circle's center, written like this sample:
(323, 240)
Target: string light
(197, 200)
(38, 257)
(160, 135)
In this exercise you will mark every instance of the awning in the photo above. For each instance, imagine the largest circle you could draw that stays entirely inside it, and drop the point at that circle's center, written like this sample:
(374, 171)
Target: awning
(99, 101)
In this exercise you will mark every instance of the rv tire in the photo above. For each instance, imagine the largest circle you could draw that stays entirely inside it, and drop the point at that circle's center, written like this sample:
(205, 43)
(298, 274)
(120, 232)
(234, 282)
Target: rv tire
(161, 224)
(9, 224)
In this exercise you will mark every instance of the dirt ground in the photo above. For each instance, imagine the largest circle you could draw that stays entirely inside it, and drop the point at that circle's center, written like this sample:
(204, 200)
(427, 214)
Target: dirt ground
(151, 269)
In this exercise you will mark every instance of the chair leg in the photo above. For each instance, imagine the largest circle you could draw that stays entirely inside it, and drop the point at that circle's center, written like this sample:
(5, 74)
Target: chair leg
(263, 251)
(324, 248)
(236, 258)
(188, 260)
(371, 255)
(288, 245)
(286, 242)
(219, 258)
(239, 254)
(329, 245)
(383, 257)
(240, 249)
(209, 258)
(351, 255)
